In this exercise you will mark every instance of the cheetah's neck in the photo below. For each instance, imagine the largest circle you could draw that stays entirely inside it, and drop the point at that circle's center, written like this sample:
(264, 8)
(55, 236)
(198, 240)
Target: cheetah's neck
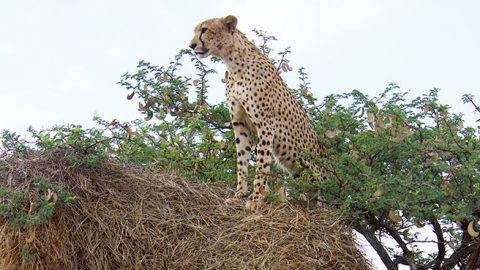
(240, 53)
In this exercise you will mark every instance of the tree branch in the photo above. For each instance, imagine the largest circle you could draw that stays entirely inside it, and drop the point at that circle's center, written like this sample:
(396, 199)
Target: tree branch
(473, 261)
(437, 229)
(458, 255)
(470, 99)
(407, 254)
(377, 246)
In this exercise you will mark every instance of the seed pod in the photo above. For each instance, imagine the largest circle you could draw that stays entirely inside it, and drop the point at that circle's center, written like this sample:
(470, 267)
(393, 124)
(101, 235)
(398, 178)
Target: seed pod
(114, 122)
(332, 133)
(418, 223)
(149, 115)
(371, 120)
(379, 123)
(164, 77)
(282, 196)
(362, 112)
(130, 132)
(471, 231)
(161, 114)
(393, 131)
(289, 68)
(31, 236)
(141, 107)
(379, 192)
(393, 216)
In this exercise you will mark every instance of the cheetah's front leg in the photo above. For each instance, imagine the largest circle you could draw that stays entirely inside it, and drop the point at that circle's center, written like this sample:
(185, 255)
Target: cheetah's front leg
(242, 131)
(264, 158)
(244, 151)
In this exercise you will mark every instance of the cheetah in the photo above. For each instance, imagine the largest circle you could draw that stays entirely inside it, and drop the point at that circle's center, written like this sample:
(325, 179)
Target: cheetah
(259, 103)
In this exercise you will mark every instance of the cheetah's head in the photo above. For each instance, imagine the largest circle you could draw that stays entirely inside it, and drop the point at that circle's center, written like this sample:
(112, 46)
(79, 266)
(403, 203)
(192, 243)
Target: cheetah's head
(213, 35)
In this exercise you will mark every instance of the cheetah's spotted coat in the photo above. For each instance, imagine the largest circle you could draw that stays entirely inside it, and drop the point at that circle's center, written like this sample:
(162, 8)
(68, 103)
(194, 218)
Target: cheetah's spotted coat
(259, 103)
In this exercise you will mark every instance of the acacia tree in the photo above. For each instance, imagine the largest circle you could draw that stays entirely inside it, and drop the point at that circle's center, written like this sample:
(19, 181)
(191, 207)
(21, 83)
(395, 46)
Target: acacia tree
(397, 167)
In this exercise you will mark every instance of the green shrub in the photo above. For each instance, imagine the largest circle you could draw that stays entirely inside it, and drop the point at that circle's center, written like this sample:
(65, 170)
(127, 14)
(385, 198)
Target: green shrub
(24, 208)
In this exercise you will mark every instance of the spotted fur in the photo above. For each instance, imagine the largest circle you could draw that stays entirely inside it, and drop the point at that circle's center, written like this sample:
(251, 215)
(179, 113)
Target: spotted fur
(259, 103)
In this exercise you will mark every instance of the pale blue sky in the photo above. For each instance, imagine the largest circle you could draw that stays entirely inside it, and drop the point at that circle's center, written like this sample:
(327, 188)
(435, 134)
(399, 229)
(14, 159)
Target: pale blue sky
(60, 60)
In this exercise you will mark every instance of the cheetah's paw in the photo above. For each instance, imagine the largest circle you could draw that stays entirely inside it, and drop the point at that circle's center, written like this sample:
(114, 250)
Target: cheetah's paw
(240, 194)
(254, 204)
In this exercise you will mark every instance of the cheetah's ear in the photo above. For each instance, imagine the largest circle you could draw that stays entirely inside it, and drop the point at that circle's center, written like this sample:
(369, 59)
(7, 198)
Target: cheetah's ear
(230, 22)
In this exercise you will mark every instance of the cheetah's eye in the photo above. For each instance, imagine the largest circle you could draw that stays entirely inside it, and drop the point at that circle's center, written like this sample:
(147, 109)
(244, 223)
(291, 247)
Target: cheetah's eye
(203, 30)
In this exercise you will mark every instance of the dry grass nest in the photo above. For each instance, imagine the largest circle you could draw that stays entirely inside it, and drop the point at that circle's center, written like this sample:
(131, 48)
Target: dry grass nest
(128, 217)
